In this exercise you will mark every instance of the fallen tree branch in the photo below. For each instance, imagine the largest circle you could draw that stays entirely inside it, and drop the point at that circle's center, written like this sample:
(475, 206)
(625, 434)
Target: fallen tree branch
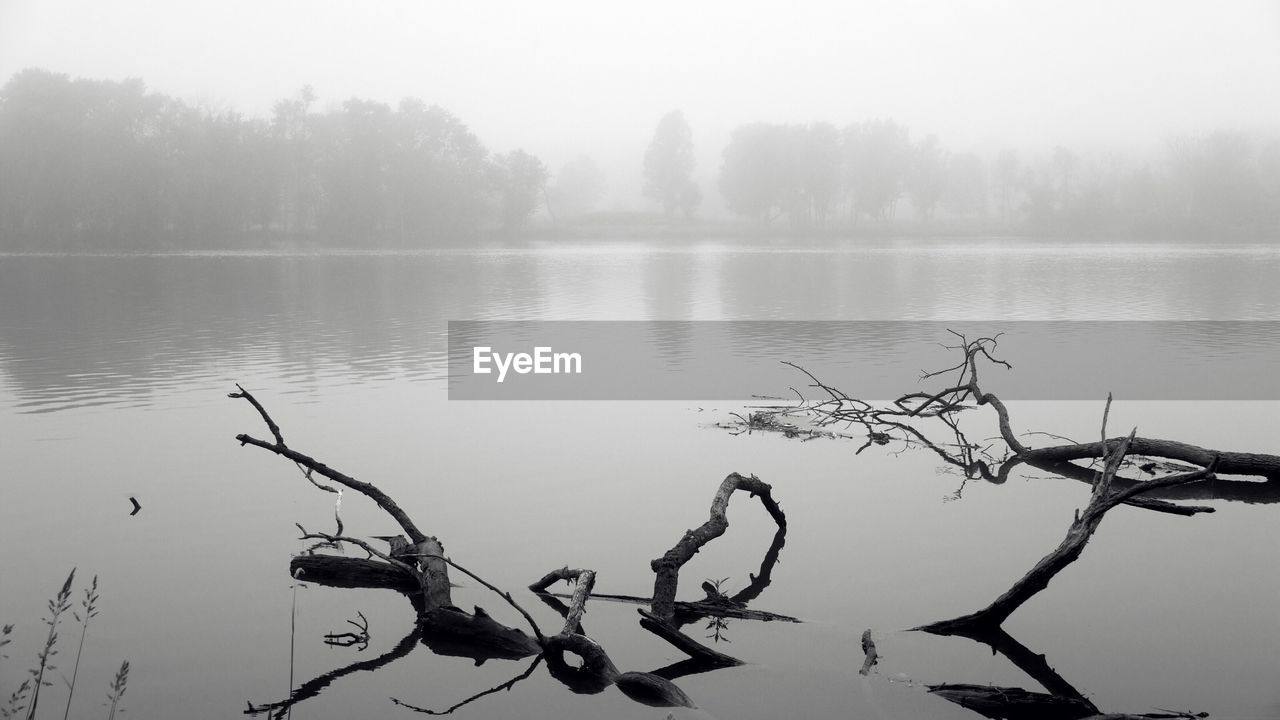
(664, 629)
(314, 687)
(383, 500)
(667, 567)
(901, 419)
(537, 632)
(1103, 499)
(871, 655)
(735, 606)
(418, 568)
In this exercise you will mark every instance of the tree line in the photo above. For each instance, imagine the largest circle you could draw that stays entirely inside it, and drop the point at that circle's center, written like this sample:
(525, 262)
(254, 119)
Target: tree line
(104, 164)
(100, 163)
(816, 175)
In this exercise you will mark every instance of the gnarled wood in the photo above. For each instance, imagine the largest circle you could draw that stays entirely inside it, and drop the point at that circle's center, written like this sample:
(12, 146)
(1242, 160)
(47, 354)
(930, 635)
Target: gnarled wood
(1229, 463)
(667, 567)
(685, 644)
(1104, 498)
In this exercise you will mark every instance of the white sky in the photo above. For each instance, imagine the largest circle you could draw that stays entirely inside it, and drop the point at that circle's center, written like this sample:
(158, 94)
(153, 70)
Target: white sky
(562, 78)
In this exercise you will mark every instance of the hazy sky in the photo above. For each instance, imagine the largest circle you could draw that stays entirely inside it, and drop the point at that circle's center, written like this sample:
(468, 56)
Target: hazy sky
(559, 78)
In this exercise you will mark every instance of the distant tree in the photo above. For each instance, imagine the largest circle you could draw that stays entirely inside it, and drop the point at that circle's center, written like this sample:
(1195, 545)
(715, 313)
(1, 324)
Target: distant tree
(771, 170)
(438, 174)
(668, 166)
(753, 176)
(1221, 173)
(578, 188)
(1005, 174)
(820, 169)
(1040, 194)
(292, 131)
(877, 160)
(358, 149)
(966, 192)
(927, 180)
(1065, 163)
(518, 182)
(1269, 187)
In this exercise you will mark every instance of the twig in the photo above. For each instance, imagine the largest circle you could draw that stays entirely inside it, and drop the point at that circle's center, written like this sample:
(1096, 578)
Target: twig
(271, 424)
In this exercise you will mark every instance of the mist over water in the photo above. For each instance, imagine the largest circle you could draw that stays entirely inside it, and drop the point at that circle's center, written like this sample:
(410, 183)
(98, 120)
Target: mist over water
(302, 199)
(126, 361)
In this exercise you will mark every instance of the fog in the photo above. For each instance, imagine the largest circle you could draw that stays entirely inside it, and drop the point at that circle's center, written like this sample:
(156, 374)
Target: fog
(570, 80)
(564, 78)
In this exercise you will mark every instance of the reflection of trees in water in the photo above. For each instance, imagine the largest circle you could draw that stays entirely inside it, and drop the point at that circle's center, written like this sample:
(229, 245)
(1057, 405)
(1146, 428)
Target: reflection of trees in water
(102, 329)
(81, 330)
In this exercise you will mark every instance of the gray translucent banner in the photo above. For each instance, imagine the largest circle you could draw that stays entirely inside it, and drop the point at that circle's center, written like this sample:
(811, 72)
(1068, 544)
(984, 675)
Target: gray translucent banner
(736, 360)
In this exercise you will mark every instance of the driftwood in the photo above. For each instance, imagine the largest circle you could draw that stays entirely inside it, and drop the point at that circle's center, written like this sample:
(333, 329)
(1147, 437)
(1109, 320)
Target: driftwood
(1191, 473)
(903, 419)
(667, 568)
(1062, 700)
(315, 686)
(415, 565)
(1103, 499)
(597, 670)
(1009, 703)
(715, 605)
(457, 706)
(871, 655)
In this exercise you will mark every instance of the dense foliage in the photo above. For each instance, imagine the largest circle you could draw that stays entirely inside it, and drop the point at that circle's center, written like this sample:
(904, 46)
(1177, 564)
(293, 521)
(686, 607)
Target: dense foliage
(88, 163)
(1222, 183)
(92, 164)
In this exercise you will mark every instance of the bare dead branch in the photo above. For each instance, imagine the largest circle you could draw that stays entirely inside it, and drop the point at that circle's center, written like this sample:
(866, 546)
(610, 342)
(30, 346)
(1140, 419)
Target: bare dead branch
(1068, 551)
(271, 424)
(685, 644)
(869, 651)
(667, 567)
(383, 500)
(373, 552)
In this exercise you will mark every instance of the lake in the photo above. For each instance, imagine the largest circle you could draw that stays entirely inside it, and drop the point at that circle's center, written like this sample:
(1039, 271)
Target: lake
(114, 374)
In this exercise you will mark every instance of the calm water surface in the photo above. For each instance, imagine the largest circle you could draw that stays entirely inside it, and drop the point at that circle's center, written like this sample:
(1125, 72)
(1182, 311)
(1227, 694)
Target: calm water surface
(113, 380)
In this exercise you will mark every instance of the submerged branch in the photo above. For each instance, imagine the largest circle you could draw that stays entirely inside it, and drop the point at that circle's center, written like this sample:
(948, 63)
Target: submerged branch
(667, 567)
(383, 500)
(1103, 499)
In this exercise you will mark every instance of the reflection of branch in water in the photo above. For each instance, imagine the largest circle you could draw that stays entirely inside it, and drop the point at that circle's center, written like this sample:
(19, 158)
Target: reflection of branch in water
(314, 687)
(761, 579)
(1214, 488)
(666, 569)
(688, 666)
(349, 639)
(1103, 499)
(418, 567)
(1063, 701)
(717, 626)
(1028, 661)
(1011, 703)
(504, 686)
